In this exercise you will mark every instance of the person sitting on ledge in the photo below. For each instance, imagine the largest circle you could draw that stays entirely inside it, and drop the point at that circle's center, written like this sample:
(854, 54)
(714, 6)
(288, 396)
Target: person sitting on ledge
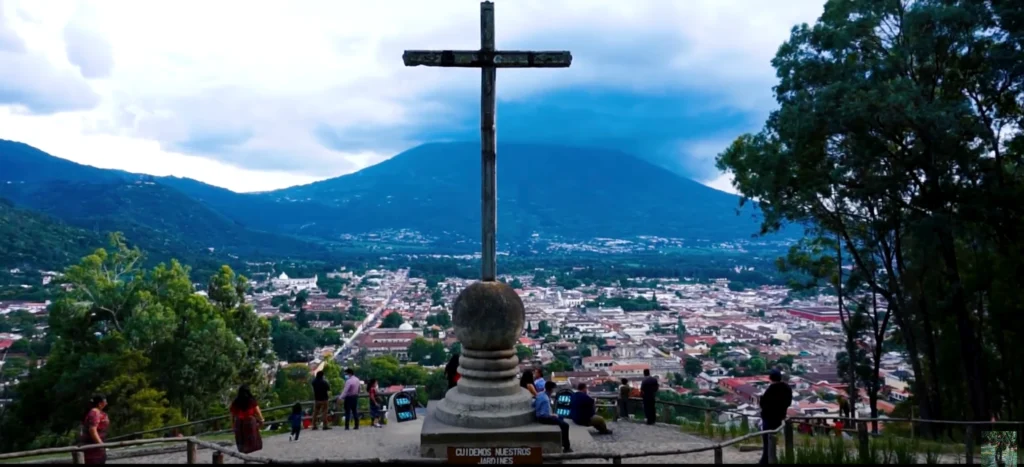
(584, 411)
(542, 409)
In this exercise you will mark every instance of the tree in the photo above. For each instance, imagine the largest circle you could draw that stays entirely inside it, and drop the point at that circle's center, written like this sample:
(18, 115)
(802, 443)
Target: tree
(917, 201)
(543, 328)
(680, 330)
(392, 321)
(418, 349)
(524, 353)
(441, 318)
(693, 367)
(516, 283)
(585, 352)
(161, 352)
(757, 365)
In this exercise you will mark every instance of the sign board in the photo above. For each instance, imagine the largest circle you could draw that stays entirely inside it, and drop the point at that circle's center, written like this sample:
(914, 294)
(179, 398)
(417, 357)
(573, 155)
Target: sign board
(404, 409)
(563, 401)
(495, 456)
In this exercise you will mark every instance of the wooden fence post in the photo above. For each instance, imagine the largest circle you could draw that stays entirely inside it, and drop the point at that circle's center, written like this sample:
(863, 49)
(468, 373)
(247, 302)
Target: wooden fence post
(862, 435)
(78, 457)
(969, 444)
(666, 413)
(718, 454)
(746, 423)
(191, 452)
(616, 460)
(789, 440)
(772, 455)
(218, 457)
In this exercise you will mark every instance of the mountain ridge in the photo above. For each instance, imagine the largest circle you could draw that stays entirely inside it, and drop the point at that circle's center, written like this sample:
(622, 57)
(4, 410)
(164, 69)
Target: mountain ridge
(559, 193)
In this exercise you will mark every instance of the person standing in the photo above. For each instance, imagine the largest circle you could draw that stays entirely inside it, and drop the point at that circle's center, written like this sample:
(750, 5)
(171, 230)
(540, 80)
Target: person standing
(542, 410)
(584, 411)
(350, 397)
(246, 420)
(624, 391)
(451, 370)
(321, 396)
(774, 404)
(376, 414)
(94, 430)
(648, 391)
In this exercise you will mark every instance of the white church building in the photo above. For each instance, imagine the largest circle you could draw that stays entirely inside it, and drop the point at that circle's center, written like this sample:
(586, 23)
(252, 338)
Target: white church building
(283, 282)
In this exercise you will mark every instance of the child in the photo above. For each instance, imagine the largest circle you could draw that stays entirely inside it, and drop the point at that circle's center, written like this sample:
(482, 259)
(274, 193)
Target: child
(296, 420)
(375, 412)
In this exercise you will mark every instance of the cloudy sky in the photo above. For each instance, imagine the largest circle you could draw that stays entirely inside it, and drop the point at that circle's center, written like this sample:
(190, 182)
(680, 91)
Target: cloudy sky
(256, 95)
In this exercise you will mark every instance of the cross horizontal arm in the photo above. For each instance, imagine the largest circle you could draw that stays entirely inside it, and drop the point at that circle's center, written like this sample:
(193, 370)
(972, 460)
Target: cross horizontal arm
(478, 59)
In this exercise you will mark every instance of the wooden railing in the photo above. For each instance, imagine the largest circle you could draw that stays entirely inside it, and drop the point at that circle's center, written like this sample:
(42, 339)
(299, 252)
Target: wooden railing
(193, 445)
(857, 426)
(173, 430)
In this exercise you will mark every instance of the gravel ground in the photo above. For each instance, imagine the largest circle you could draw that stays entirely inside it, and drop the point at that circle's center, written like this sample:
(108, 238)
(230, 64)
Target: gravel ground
(628, 437)
(401, 441)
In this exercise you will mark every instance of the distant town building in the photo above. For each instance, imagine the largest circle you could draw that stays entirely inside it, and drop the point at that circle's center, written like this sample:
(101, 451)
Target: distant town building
(283, 282)
(821, 314)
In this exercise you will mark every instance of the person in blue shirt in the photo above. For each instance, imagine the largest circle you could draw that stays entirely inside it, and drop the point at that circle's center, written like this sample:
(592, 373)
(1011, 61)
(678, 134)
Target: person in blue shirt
(583, 410)
(538, 382)
(542, 409)
(296, 420)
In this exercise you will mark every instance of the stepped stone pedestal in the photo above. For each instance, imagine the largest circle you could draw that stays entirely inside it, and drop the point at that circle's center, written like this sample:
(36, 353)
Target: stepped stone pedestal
(487, 408)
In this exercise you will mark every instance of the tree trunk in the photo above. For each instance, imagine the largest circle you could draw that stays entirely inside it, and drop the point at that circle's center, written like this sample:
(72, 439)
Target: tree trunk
(972, 358)
(918, 386)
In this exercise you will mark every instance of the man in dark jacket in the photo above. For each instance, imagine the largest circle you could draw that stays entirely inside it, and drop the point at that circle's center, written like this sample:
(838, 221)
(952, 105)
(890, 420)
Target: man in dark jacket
(583, 411)
(321, 396)
(774, 404)
(648, 390)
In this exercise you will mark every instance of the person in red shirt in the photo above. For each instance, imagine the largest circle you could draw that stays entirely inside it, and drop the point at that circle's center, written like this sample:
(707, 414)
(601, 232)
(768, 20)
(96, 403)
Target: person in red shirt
(375, 412)
(94, 430)
(246, 420)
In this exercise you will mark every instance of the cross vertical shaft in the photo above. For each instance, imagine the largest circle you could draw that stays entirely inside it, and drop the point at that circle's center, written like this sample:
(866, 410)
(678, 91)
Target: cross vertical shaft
(488, 59)
(488, 148)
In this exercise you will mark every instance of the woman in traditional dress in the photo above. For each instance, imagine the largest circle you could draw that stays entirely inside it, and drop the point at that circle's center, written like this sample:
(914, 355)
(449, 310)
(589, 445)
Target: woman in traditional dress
(246, 419)
(94, 430)
(451, 370)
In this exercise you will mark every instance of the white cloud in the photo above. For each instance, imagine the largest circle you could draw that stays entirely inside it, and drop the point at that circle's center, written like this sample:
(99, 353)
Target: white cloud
(260, 94)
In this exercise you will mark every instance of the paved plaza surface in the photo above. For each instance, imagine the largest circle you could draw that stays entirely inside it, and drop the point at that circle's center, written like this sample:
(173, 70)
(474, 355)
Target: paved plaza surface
(401, 440)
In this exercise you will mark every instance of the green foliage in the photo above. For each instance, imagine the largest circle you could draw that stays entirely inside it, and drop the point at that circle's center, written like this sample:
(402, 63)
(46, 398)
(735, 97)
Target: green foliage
(427, 352)
(32, 239)
(890, 143)
(543, 328)
(392, 320)
(524, 353)
(441, 318)
(158, 350)
(693, 367)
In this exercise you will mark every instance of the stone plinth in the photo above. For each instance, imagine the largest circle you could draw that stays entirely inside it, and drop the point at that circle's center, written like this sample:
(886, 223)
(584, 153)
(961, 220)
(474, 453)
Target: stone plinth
(488, 319)
(487, 407)
(436, 436)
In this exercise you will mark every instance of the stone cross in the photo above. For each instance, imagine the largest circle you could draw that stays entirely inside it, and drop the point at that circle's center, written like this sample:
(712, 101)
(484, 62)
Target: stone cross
(488, 60)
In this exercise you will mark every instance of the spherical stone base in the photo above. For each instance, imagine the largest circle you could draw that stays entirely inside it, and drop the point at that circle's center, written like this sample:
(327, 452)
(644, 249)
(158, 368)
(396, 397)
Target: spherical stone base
(488, 316)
